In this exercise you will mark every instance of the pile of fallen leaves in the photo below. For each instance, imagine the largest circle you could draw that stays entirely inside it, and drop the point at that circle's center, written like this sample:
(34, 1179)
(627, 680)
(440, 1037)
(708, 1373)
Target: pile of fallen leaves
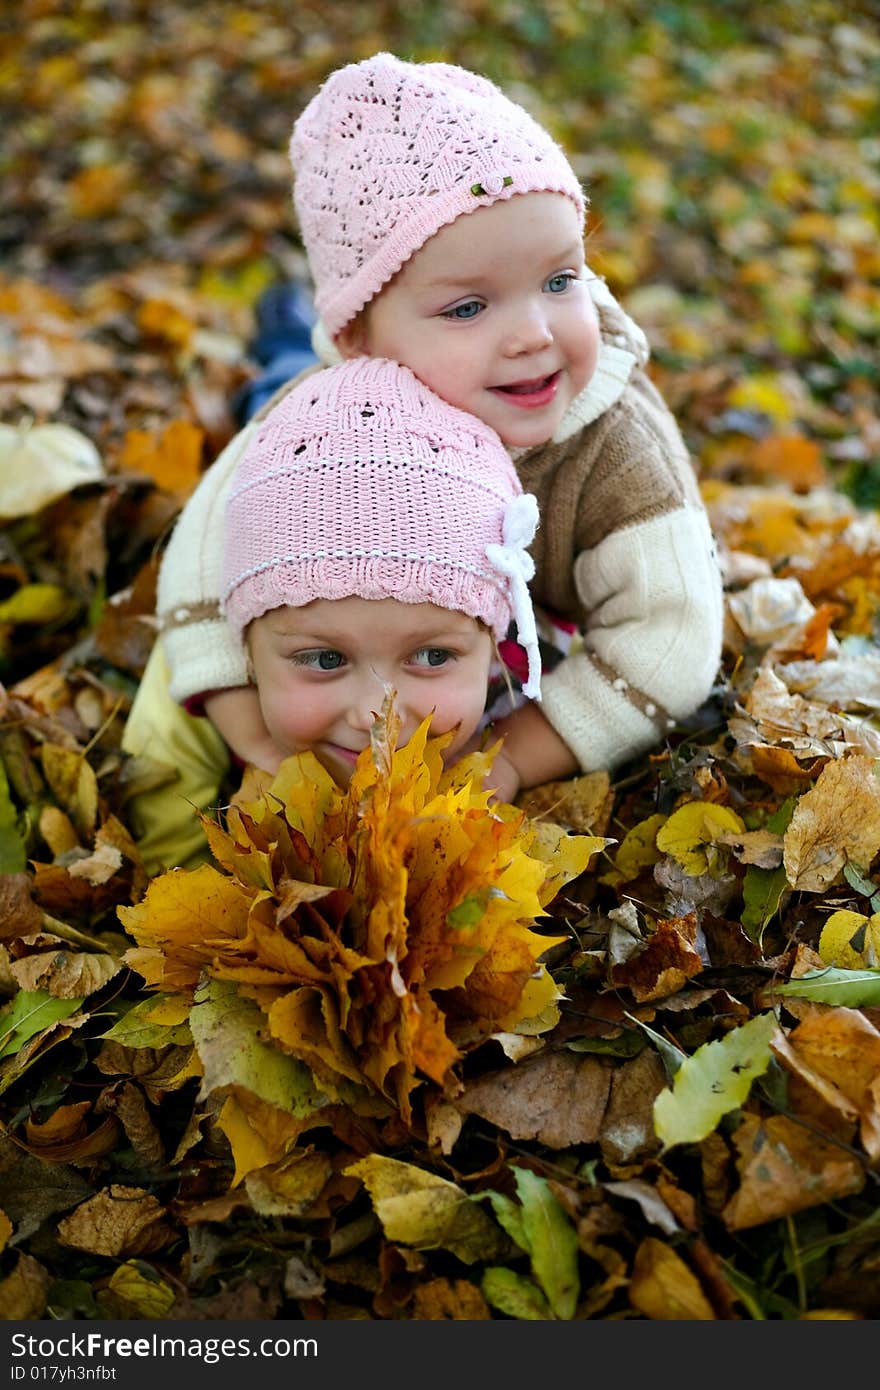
(382, 931)
(284, 1085)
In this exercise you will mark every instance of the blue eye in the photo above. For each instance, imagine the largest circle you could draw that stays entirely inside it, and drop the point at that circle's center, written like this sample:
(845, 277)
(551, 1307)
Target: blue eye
(558, 284)
(431, 656)
(468, 310)
(323, 659)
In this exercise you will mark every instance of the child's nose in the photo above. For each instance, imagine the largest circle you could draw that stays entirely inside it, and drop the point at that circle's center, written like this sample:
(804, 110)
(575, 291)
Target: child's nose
(529, 330)
(365, 701)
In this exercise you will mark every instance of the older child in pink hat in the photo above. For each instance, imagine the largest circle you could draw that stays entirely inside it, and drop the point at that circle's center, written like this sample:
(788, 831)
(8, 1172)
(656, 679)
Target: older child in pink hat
(375, 538)
(444, 230)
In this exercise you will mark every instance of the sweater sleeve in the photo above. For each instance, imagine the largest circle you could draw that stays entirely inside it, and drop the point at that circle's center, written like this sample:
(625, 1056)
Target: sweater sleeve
(201, 652)
(652, 641)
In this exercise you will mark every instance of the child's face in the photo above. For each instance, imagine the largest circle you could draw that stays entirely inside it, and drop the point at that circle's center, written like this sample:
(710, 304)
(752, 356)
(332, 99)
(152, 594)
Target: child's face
(321, 670)
(493, 316)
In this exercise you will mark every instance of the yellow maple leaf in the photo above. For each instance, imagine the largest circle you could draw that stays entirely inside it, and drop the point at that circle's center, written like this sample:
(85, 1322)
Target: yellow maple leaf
(183, 925)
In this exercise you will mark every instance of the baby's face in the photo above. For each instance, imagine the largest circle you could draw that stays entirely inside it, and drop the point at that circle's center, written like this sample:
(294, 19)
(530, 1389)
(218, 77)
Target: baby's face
(321, 673)
(494, 315)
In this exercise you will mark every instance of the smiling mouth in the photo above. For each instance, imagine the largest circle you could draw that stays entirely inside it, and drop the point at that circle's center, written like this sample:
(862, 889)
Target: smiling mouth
(538, 391)
(346, 755)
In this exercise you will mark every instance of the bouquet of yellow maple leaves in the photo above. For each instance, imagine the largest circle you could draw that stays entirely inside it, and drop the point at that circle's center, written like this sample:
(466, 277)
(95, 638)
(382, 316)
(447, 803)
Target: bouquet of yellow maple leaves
(373, 934)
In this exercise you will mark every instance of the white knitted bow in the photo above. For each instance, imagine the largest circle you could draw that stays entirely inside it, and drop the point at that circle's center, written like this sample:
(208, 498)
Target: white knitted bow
(512, 559)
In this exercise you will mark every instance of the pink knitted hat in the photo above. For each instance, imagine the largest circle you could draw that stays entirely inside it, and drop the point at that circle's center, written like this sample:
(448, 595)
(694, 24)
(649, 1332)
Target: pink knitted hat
(388, 152)
(361, 482)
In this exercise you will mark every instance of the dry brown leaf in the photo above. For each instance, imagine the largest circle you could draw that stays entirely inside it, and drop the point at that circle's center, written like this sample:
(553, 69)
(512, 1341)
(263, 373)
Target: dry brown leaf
(443, 1122)
(555, 1098)
(760, 847)
(118, 1221)
(666, 962)
(126, 1101)
(19, 914)
(785, 1168)
(23, 1292)
(663, 1287)
(783, 718)
(159, 1070)
(870, 1120)
(780, 769)
(838, 820)
(64, 1124)
(843, 1048)
(82, 1147)
(215, 1209)
(444, 1300)
(65, 974)
(582, 803)
(811, 1097)
(628, 1126)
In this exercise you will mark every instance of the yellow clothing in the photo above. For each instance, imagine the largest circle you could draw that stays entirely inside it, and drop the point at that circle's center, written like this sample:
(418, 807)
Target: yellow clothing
(164, 819)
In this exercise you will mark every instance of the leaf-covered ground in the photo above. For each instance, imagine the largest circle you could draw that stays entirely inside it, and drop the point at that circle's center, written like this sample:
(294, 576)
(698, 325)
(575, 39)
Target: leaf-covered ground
(696, 1132)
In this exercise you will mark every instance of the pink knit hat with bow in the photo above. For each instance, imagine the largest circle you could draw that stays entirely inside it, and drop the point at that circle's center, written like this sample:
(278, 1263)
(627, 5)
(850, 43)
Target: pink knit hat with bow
(361, 482)
(388, 152)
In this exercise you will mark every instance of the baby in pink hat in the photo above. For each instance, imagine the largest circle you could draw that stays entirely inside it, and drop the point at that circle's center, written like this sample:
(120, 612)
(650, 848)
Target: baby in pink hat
(347, 570)
(375, 539)
(444, 230)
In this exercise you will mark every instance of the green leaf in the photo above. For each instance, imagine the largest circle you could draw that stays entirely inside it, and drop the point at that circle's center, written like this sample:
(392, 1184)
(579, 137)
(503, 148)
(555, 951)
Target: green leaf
(552, 1242)
(714, 1081)
(28, 1013)
(508, 1215)
(781, 819)
(12, 848)
(137, 1029)
(515, 1295)
(472, 909)
(858, 880)
(852, 988)
(66, 1297)
(227, 1033)
(762, 894)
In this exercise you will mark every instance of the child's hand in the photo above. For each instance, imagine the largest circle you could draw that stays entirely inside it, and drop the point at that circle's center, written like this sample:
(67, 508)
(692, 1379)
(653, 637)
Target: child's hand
(263, 753)
(503, 780)
(532, 753)
(236, 714)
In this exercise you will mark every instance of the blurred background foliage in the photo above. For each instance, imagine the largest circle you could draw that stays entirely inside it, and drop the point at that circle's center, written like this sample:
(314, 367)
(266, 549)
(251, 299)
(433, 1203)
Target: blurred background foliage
(730, 150)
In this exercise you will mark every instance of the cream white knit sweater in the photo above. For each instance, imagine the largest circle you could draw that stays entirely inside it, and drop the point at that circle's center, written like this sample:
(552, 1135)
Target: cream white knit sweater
(624, 549)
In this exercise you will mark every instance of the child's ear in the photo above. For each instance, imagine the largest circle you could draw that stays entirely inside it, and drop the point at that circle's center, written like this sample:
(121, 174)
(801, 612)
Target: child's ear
(351, 341)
